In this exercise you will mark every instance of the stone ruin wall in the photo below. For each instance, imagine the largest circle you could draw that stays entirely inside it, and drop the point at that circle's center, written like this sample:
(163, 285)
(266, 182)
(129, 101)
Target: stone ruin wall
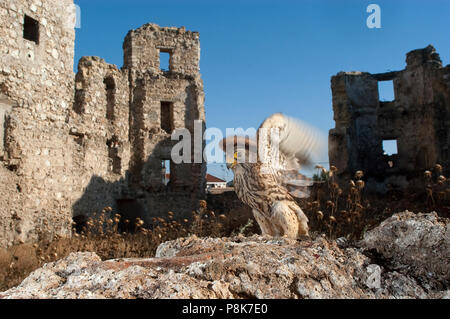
(74, 144)
(36, 85)
(418, 118)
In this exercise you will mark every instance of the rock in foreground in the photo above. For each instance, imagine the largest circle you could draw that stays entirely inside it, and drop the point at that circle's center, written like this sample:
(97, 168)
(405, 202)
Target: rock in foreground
(253, 267)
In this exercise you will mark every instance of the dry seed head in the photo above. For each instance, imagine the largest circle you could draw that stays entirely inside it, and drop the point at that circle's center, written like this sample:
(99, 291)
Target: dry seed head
(202, 203)
(427, 174)
(359, 174)
(333, 169)
(332, 219)
(319, 214)
(360, 184)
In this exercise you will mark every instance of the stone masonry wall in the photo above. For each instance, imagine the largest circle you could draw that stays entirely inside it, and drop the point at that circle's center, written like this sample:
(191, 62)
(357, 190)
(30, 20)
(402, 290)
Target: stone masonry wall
(99, 130)
(36, 81)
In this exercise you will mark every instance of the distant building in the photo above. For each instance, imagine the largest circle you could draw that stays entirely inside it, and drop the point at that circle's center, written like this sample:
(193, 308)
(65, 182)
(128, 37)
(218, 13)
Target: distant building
(214, 182)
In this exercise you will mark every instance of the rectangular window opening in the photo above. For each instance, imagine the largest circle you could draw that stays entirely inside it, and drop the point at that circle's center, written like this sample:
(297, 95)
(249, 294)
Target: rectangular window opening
(166, 171)
(386, 91)
(164, 59)
(110, 87)
(115, 162)
(4, 111)
(167, 116)
(31, 29)
(390, 147)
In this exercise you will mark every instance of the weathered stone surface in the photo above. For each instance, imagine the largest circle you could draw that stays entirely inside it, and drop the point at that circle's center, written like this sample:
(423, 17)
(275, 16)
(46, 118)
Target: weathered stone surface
(36, 91)
(252, 267)
(418, 245)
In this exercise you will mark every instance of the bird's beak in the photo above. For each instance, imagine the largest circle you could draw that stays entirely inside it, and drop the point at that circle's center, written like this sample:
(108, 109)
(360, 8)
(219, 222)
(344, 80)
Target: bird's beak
(232, 164)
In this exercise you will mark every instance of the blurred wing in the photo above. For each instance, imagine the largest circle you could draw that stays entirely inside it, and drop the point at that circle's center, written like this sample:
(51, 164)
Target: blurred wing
(285, 145)
(297, 184)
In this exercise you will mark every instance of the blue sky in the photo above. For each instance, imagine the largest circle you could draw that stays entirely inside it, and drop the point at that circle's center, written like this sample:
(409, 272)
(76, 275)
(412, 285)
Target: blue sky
(259, 57)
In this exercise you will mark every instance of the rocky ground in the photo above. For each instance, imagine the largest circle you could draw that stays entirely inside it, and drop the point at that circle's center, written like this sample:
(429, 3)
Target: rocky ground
(407, 256)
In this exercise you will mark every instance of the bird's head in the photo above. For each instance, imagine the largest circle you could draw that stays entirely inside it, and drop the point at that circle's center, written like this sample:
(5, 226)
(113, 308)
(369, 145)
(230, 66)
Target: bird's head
(238, 150)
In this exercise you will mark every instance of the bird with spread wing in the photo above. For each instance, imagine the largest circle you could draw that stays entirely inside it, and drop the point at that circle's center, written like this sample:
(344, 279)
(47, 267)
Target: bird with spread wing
(266, 172)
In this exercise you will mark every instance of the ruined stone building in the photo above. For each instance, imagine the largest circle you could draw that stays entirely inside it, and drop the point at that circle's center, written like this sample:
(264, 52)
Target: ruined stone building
(74, 144)
(417, 120)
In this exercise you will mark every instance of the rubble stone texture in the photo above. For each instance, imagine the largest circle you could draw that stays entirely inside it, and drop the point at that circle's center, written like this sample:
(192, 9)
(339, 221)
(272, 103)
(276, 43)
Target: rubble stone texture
(418, 119)
(414, 240)
(256, 267)
(73, 144)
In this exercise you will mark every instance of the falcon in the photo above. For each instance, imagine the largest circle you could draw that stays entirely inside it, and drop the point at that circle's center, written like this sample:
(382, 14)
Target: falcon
(266, 173)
